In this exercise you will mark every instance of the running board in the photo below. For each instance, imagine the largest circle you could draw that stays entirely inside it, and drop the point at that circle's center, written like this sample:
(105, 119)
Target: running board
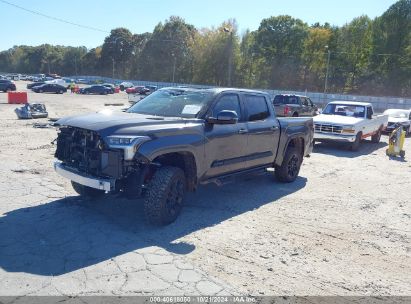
(229, 178)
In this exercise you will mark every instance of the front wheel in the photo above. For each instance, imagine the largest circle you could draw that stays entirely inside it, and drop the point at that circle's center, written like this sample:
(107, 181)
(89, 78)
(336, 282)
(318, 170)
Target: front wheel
(290, 167)
(164, 197)
(355, 146)
(376, 137)
(87, 191)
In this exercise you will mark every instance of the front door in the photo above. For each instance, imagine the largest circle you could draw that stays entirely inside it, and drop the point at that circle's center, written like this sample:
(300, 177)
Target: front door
(225, 144)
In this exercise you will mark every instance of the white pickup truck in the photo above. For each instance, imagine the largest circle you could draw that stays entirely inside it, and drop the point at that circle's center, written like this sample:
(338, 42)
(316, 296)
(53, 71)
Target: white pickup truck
(350, 122)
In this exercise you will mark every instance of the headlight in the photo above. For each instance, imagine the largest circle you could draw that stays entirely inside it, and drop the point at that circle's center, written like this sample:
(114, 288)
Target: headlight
(129, 144)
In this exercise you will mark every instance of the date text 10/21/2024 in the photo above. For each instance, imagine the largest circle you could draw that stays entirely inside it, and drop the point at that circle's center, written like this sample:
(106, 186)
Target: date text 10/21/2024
(203, 299)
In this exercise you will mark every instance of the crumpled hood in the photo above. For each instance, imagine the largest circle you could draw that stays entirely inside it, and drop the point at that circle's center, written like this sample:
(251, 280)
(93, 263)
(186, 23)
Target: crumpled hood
(108, 123)
(336, 119)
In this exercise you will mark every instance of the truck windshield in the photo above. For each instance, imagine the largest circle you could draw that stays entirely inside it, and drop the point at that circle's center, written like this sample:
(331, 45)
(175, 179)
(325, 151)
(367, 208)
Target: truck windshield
(173, 103)
(281, 99)
(344, 110)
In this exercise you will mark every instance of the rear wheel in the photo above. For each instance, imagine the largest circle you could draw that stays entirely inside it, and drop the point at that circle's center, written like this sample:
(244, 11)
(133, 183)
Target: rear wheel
(289, 169)
(87, 191)
(355, 146)
(164, 196)
(40, 91)
(295, 114)
(376, 137)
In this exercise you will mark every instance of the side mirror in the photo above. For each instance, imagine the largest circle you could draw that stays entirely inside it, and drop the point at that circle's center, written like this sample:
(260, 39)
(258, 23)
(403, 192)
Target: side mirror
(224, 118)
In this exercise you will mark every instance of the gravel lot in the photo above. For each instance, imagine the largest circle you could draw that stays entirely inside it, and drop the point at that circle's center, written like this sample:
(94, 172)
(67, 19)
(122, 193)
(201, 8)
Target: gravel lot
(343, 228)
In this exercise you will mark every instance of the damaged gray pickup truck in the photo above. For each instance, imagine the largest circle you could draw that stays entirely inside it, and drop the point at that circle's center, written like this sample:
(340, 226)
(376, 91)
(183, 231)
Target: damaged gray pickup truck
(175, 139)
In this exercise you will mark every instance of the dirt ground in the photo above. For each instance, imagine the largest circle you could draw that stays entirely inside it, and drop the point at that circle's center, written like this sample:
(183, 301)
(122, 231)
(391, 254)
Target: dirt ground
(343, 228)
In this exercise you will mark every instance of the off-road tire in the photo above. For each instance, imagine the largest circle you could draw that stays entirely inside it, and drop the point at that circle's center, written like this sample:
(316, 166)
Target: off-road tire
(376, 137)
(290, 167)
(164, 197)
(355, 146)
(87, 191)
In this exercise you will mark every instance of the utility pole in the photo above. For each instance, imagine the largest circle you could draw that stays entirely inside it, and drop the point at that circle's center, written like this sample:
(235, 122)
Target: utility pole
(230, 55)
(328, 70)
(174, 67)
(112, 58)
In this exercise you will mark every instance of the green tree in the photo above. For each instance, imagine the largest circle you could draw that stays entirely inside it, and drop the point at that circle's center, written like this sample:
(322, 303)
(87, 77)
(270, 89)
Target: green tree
(214, 51)
(390, 57)
(117, 52)
(279, 40)
(167, 54)
(314, 57)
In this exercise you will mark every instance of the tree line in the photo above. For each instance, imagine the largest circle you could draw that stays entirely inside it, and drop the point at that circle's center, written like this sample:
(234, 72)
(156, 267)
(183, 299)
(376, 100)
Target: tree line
(364, 56)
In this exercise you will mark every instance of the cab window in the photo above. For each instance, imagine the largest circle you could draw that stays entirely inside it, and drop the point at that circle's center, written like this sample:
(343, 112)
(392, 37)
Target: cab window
(257, 108)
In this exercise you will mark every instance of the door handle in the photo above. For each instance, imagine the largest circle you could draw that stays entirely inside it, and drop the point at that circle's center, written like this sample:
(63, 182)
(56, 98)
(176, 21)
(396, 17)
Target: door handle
(274, 128)
(242, 131)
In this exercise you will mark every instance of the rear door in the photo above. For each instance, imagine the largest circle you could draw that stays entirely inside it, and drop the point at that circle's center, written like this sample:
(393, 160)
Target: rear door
(263, 130)
(225, 144)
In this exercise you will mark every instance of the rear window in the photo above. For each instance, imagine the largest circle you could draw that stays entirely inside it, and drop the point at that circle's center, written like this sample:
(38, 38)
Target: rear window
(281, 99)
(257, 108)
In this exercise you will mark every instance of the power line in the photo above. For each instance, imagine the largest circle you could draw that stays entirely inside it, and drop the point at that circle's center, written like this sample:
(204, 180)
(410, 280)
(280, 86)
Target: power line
(54, 18)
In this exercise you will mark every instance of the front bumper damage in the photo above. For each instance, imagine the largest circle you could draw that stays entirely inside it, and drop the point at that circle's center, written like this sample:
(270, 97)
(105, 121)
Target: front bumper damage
(105, 184)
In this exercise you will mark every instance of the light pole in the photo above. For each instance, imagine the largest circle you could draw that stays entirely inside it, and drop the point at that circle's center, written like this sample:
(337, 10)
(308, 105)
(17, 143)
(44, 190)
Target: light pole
(121, 50)
(75, 64)
(174, 66)
(230, 54)
(112, 58)
(328, 69)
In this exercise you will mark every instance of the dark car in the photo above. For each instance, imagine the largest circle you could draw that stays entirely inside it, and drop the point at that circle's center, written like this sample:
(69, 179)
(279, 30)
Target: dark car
(50, 88)
(110, 86)
(35, 84)
(138, 90)
(7, 85)
(176, 139)
(294, 106)
(96, 89)
(151, 88)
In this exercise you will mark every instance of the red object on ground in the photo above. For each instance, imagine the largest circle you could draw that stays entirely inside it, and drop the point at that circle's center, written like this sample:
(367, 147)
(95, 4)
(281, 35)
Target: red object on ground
(17, 97)
(116, 90)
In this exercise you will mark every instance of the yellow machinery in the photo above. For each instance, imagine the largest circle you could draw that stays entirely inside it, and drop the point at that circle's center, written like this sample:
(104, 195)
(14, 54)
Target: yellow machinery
(396, 143)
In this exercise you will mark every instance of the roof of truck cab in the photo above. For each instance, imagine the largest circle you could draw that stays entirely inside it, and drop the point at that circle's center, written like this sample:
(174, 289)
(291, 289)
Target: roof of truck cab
(364, 104)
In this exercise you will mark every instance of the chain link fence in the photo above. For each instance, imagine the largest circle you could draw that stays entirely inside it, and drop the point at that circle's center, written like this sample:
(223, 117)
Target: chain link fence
(380, 104)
